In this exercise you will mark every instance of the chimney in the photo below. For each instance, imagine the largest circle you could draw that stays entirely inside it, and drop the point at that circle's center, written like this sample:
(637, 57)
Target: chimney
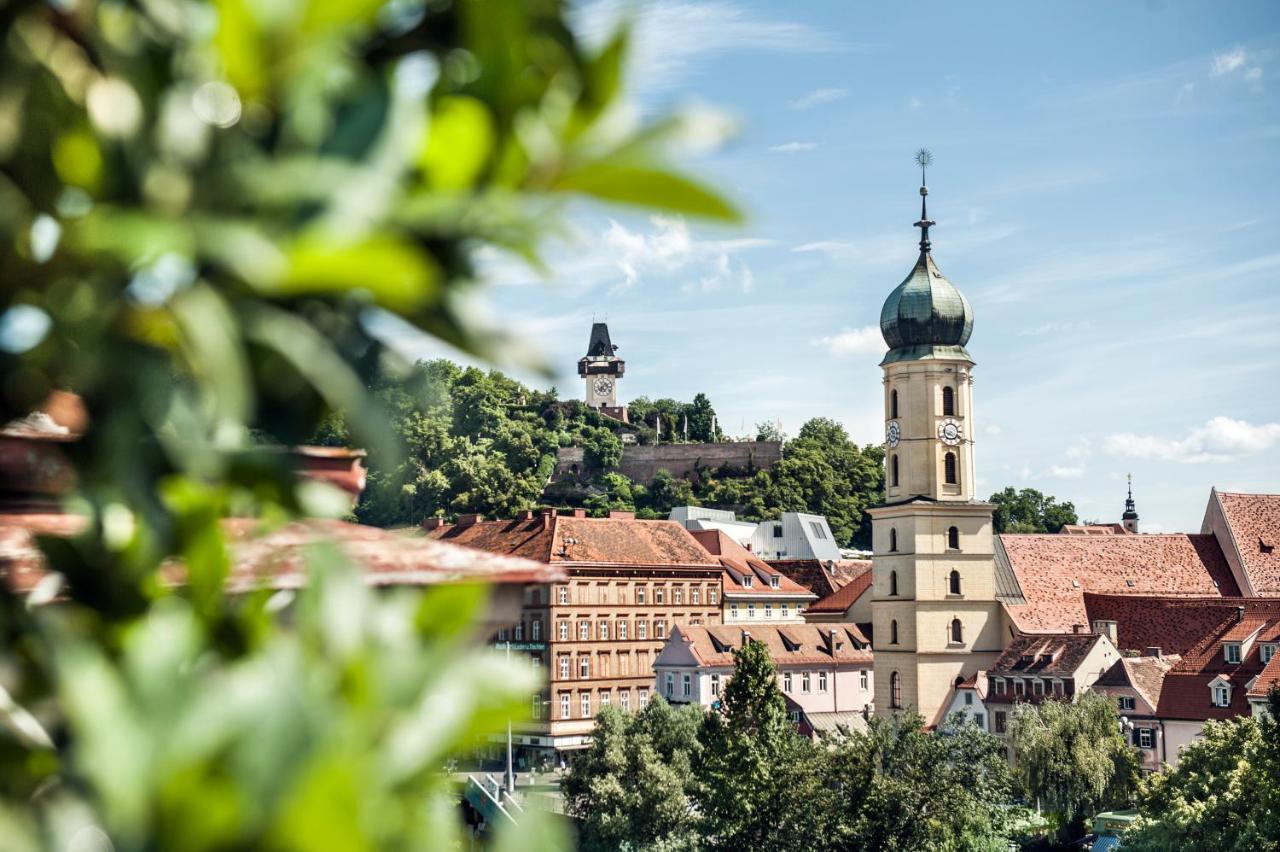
(548, 517)
(1153, 651)
(619, 515)
(1077, 628)
(526, 515)
(579, 513)
(1239, 614)
(470, 519)
(746, 637)
(432, 523)
(836, 644)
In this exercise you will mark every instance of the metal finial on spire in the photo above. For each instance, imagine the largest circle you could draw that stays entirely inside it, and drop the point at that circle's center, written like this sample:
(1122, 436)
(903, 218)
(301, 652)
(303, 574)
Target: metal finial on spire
(924, 158)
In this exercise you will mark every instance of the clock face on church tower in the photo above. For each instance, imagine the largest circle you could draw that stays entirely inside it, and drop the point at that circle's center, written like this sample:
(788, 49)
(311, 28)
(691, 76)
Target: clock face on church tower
(949, 432)
(892, 433)
(602, 386)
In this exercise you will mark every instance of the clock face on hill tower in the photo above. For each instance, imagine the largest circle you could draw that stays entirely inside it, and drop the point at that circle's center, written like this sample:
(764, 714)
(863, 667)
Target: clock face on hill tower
(603, 386)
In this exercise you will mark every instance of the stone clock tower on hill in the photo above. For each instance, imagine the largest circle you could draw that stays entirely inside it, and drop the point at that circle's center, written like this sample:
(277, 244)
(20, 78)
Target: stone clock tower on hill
(934, 610)
(602, 368)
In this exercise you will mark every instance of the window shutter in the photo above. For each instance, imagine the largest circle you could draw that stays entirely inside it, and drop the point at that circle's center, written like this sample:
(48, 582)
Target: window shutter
(1135, 736)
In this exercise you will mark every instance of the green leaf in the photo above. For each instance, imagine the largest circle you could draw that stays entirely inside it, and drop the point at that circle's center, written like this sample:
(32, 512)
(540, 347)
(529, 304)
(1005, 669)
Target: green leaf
(400, 276)
(459, 142)
(238, 43)
(647, 187)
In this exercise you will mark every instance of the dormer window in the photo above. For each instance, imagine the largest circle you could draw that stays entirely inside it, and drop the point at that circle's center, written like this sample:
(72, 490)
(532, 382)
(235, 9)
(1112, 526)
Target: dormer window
(1221, 695)
(746, 581)
(1266, 652)
(774, 581)
(999, 685)
(1231, 652)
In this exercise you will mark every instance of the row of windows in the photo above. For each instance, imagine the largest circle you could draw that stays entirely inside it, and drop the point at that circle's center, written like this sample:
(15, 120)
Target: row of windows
(950, 470)
(621, 629)
(955, 632)
(948, 403)
(806, 681)
(1030, 686)
(953, 583)
(953, 539)
(584, 702)
(784, 610)
(602, 593)
(602, 667)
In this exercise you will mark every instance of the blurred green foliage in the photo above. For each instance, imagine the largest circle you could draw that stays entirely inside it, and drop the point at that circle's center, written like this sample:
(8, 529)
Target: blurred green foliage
(206, 206)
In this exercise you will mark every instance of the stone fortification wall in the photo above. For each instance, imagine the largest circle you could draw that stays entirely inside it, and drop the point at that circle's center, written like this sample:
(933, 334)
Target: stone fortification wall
(642, 463)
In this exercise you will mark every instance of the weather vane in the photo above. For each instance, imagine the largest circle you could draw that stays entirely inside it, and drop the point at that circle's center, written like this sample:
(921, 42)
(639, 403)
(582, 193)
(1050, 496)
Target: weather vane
(924, 158)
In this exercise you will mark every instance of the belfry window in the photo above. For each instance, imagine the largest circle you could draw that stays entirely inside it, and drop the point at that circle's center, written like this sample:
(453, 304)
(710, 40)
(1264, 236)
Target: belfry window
(953, 538)
(893, 405)
(893, 583)
(948, 402)
(893, 632)
(895, 690)
(893, 540)
(949, 468)
(954, 587)
(957, 631)
(893, 471)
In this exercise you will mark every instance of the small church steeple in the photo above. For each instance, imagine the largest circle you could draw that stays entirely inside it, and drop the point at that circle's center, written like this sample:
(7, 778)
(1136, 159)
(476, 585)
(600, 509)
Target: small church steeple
(1130, 517)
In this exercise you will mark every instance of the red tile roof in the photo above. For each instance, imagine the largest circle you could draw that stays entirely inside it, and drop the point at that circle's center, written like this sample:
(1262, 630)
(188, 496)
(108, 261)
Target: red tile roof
(822, 577)
(276, 558)
(1094, 529)
(1268, 678)
(738, 562)
(558, 539)
(788, 644)
(1186, 693)
(1055, 571)
(1171, 624)
(1254, 520)
(1045, 655)
(1144, 674)
(847, 595)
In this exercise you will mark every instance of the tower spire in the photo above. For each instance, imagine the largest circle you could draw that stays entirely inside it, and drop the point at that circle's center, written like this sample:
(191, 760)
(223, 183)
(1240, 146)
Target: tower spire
(1130, 517)
(924, 158)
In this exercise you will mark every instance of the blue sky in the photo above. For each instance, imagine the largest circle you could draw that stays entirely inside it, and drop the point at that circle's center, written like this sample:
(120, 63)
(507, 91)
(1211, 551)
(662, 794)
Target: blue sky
(1105, 186)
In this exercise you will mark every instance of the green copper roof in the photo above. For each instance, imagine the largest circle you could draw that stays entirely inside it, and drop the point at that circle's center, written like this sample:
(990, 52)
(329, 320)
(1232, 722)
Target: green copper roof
(926, 316)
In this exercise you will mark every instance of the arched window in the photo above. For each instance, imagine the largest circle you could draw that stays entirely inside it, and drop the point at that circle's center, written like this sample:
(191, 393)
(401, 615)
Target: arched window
(893, 582)
(953, 538)
(893, 405)
(955, 583)
(948, 402)
(949, 464)
(893, 632)
(895, 690)
(893, 470)
(893, 540)
(957, 631)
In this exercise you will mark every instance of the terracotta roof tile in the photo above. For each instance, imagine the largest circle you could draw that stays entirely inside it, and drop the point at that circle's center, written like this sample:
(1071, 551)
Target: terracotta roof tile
(846, 596)
(788, 644)
(1269, 677)
(1171, 624)
(1254, 520)
(560, 539)
(1047, 655)
(276, 558)
(739, 563)
(822, 577)
(1144, 674)
(1055, 571)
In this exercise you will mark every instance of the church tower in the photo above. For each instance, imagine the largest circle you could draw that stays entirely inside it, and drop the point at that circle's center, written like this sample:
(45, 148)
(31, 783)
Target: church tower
(935, 615)
(1130, 517)
(601, 368)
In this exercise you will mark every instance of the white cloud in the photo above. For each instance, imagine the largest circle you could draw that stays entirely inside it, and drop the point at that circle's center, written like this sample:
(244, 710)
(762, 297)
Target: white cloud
(854, 341)
(1226, 63)
(1064, 471)
(818, 97)
(793, 147)
(725, 274)
(1049, 328)
(668, 37)
(992, 429)
(1220, 439)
